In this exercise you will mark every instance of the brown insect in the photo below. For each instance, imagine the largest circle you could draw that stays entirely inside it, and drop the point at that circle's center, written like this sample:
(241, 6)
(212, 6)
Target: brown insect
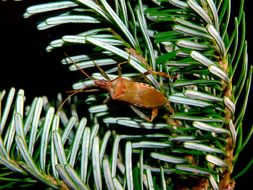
(135, 93)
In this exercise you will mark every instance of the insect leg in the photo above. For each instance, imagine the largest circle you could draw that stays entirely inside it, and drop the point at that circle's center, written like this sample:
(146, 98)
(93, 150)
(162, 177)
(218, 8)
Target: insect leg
(119, 67)
(162, 74)
(138, 56)
(107, 99)
(169, 107)
(154, 113)
(132, 52)
(121, 63)
(142, 115)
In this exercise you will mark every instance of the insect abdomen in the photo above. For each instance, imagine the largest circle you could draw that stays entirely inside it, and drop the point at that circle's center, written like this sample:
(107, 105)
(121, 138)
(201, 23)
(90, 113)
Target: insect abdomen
(138, 94)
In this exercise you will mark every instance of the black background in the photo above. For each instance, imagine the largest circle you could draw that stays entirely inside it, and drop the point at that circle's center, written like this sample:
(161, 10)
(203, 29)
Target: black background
(25, 64)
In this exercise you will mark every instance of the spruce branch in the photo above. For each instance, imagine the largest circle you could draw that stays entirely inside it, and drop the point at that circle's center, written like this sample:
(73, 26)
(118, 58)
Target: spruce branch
(195, 146)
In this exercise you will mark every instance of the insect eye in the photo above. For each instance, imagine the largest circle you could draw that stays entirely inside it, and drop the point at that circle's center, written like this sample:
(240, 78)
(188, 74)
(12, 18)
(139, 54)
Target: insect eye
(113, 84)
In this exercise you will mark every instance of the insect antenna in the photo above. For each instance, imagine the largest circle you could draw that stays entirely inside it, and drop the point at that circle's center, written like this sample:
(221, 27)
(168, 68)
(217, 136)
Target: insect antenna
(78, 67)
(66, 99)
(103, 73)
(73, 92)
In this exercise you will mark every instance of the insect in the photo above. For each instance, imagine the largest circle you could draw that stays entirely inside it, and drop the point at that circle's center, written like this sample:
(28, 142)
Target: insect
(136, 94)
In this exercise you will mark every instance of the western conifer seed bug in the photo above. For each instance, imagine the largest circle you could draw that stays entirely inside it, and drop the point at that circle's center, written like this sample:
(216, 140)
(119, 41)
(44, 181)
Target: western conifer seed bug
(136, 94)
